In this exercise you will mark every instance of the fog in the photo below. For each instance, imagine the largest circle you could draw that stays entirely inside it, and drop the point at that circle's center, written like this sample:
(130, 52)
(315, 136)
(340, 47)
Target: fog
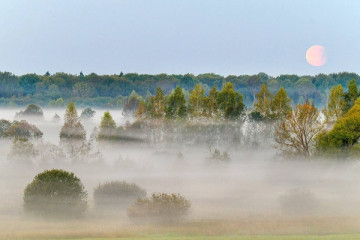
(255, 183)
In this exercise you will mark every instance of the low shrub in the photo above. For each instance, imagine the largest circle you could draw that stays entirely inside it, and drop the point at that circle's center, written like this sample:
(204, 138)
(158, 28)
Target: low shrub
(160, 208)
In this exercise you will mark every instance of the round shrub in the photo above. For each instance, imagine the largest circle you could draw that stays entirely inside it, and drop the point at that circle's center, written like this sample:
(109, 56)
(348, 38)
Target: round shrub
(117, 194)
(31, 110)
(23, 129)
(160, 208)
(55, 194)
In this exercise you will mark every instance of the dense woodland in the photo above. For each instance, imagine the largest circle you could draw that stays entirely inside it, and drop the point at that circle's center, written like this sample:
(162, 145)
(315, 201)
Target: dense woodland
(112, 91)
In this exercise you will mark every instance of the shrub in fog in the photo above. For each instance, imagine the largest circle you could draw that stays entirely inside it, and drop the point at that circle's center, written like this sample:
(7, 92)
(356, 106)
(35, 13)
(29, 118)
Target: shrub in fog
(55, 194)
(87, 114)
(31, 110)
(298, 201)
(160, 208)
(4, 126)
(23, 129)
(22, 151)
(117, 194)
(56, 118)
(72, 129)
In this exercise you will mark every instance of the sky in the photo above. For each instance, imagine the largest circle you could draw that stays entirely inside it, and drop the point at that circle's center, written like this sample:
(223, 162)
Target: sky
(227, 37)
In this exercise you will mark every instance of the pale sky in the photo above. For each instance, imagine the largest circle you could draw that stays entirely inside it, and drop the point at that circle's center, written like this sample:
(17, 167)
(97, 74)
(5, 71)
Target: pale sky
(228, 37)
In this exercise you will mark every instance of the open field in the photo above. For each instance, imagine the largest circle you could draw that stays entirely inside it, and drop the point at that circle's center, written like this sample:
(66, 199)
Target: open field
(258, 228)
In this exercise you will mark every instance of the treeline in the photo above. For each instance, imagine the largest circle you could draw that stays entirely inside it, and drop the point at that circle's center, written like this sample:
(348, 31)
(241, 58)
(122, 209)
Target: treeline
(111, 91)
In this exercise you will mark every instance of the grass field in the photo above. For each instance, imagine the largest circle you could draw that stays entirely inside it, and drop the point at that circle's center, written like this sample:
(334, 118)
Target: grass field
(182, 237)
(251, 228)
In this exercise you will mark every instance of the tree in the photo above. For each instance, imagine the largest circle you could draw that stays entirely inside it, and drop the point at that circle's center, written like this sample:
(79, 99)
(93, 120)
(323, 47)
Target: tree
(211, 106)
(296, 134)
(116, 194)
(107, 129)
(351, 95)
(23, 129)
(196, 101)
(31, 110)
(141, 112)
(160, 207)
(176, 107)
(87, 114)
(72, 129)
(56, 194)
(280, 105)
(157, 104)
(344, 136)
(132, 104)
(4, 126)
(253, 83)
(263, 102)
(230, 102)
(336, 105)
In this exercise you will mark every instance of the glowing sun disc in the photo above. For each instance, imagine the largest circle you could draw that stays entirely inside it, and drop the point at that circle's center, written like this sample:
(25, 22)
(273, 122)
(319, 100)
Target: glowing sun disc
(316, 55)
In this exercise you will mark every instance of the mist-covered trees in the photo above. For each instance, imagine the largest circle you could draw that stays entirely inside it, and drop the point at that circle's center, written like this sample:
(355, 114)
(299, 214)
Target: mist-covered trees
(22, 129)
(107, 129)
(72, 129)
(157, 104)
(115, 194)
(31, 110)
(196, 102)
(87, 114)
(296, 134)
(55, 194)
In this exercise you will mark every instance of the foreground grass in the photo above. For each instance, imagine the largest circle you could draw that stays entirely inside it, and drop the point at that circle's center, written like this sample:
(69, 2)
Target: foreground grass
(178, 237)
(250, 228)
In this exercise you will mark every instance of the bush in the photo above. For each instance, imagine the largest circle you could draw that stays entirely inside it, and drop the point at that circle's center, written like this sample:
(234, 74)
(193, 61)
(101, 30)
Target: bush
(298, 201)
(160, 208)
(55, 194)
(23, 129)
(87, 114)
(4, 127)
(117, 194)
(31, 110)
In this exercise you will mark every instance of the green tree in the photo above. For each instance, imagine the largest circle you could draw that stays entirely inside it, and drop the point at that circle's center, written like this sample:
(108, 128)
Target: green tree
(263, 102)
(157, 104)
(280, 105)
(107, 129)
(351, 95)
(56, 194)
(336, 104)
(72, 126)
(211, 106)
(176, 104)
(344, 136)
(230, 102)
(196, 101)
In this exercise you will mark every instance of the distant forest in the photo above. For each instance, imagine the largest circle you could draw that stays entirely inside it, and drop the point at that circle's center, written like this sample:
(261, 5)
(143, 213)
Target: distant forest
(111, 91)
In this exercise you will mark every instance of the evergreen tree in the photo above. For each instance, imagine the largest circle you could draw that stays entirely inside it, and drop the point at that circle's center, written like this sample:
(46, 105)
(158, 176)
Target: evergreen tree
(176, 104)
(351, 95)
(230, 102)
(211, 105)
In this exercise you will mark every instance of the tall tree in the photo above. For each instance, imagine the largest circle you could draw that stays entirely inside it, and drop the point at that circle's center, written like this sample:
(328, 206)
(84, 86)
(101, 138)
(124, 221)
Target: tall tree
(296, 134)
(263, 102)
(230, 102)
(196, 101)
(107, 128)
(157, 104)
(280, 105)
(72, 126)
(351, 95)
(176, 104)
(211, 106)
(336, 105)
